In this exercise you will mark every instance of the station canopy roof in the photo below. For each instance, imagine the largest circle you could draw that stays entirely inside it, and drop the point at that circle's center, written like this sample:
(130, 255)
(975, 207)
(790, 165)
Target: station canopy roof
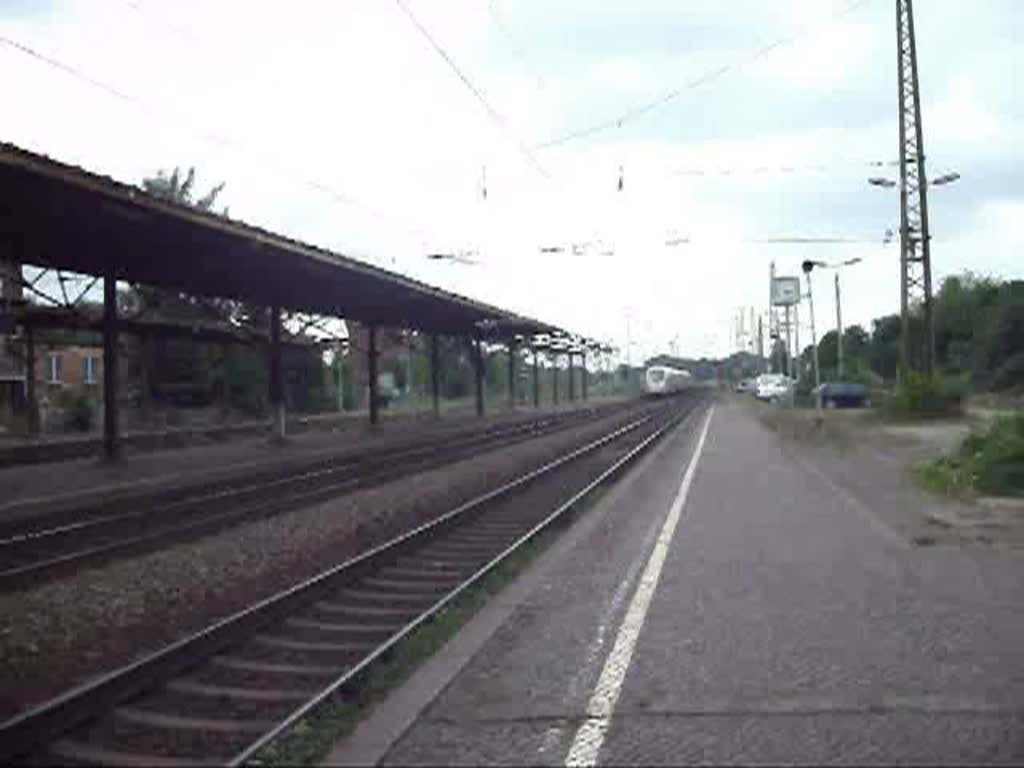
(63, 217)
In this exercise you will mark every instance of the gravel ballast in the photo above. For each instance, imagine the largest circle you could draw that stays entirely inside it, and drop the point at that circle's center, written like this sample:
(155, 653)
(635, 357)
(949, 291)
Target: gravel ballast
(60, 634)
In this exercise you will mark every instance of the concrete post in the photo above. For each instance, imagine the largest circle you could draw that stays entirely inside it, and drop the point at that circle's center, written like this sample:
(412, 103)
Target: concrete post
(372, 374)
(31, 399)
(839, 333)
(111, 433)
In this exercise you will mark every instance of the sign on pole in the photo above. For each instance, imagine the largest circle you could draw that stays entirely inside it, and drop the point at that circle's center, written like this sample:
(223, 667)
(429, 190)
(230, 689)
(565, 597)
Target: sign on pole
(785, 291)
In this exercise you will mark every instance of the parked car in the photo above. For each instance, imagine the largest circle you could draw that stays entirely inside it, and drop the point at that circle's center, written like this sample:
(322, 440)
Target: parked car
(772, 386)
(745, 385)
(843, 394)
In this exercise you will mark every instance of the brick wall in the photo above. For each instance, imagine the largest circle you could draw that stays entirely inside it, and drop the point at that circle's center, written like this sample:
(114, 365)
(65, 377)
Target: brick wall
(71, 369)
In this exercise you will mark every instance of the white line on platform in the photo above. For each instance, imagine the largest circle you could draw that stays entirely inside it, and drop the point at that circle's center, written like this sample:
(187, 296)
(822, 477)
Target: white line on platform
(590, 735)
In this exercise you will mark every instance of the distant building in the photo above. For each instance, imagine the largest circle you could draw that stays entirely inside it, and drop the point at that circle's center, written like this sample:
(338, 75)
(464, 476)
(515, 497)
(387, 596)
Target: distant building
(77, 368)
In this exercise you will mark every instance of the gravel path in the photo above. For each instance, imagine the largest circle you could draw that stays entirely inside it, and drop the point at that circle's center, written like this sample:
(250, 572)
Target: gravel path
(65, 632)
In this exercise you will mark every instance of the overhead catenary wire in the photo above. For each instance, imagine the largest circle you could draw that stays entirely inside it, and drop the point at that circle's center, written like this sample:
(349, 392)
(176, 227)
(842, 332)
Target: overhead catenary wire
(492, 113)
(514, 47)
(642, 109)
(736, 170)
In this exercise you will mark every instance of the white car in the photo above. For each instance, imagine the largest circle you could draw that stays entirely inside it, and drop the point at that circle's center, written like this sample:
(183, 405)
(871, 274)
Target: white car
(772, 386)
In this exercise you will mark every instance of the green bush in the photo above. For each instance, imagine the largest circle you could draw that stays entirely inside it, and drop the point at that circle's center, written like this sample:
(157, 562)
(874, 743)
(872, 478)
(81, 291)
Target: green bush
(997, 457)
(77, 410)
(987, 462)
(919, 395)
(1010, 375)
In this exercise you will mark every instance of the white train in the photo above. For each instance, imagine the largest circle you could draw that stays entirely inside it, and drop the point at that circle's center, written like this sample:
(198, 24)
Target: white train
(662, 380)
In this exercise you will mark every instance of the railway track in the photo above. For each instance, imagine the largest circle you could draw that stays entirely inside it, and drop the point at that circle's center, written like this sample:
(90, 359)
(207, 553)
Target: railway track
(224, 693)
(39, 549)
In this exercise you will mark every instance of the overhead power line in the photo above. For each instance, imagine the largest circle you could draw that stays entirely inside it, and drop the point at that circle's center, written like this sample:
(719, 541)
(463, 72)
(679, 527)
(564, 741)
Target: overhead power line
(69, 70)
(495, 116)
(639, 111)
(783, 169)
(805, 240)
(514, 47)
(313, 184)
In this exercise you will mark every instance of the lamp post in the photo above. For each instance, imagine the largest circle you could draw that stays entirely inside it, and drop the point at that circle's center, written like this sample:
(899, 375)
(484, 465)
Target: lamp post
(807, 267)
(914, 232)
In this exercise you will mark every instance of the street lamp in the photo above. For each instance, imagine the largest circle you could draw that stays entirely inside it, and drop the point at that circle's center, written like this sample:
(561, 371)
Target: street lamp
(808, 266)
(839, 311)
(460, 257)
(914, 231)
(938, 181)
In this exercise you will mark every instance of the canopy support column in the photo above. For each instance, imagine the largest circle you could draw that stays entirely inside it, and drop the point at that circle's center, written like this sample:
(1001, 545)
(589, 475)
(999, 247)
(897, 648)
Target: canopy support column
(554, 377)
(583, 374)
(111, 433)
(435, 375)
(512, 374)
(572, 383)
(31, 401)
(478, 374)
(536, 378)
(276, 376)
(372, 374)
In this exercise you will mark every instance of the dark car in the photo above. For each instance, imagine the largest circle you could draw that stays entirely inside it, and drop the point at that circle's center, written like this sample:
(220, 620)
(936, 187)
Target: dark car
(843, 394)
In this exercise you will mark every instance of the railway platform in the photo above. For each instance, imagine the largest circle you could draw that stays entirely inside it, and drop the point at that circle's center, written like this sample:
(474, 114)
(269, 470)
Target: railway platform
(723, 603)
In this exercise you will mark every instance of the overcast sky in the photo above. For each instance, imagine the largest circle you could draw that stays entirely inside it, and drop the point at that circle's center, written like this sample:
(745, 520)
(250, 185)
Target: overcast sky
(340, 124)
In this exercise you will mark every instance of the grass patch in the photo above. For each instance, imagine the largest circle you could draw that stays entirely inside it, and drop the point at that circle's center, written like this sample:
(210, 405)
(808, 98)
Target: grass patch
(922, 396)
(989, 462)
(810, 425)
(310, 740)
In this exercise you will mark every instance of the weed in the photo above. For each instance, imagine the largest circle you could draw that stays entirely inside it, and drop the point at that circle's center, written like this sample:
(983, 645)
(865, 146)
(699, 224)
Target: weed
(989, 462)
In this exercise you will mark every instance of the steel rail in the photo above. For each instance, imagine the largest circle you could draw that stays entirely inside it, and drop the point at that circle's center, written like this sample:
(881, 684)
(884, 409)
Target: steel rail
(377, 467)
(42, 724)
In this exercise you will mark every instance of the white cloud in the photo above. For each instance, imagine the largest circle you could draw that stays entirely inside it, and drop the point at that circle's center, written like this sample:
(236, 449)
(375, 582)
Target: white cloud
(352, 96)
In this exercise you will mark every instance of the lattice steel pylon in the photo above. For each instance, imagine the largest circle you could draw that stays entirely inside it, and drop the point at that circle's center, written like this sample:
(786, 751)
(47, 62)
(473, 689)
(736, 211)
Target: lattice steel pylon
(915, 253)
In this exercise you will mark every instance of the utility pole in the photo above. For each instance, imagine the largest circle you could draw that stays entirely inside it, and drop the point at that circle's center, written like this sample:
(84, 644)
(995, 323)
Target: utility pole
(839, 333)
(814, 335)
(789, 344)
(760, 345)
(796, 341)
(915, 254)
(629, 349)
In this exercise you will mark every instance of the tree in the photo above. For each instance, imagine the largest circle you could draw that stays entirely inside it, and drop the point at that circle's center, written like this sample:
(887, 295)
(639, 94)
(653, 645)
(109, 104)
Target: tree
(172, 187)
(885, 346)
(856, 343)
(964, 310)
(1003, 346)
(828, 355)
(176, 370)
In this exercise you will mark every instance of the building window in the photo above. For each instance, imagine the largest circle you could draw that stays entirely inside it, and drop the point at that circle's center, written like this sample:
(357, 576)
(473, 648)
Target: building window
(89, 369)
(54, 369)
